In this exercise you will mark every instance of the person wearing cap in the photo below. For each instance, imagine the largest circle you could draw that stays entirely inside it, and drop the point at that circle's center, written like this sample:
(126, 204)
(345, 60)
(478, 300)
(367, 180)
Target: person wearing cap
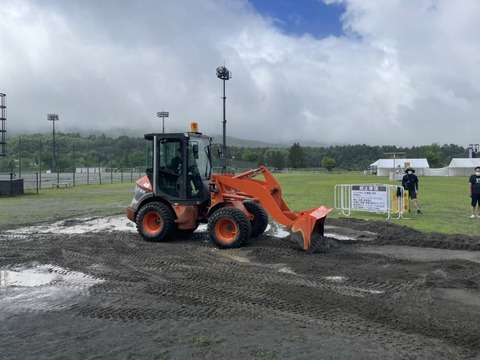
(410, 183)
(474, 191)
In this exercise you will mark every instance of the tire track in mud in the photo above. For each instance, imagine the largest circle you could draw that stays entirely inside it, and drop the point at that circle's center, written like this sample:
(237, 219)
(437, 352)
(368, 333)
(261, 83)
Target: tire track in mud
(199, 288)
(199, 306)
(362, 296)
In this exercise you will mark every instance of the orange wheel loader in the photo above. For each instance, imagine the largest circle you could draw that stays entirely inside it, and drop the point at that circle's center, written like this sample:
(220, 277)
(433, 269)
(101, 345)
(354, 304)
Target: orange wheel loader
(179, 192)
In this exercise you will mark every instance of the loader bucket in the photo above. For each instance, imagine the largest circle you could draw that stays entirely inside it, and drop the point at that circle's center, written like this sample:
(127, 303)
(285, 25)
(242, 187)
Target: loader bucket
(307, 230)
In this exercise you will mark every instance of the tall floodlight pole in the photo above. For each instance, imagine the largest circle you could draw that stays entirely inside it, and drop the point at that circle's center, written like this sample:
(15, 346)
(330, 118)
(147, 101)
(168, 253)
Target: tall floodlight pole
(53, 118)
(472, 150)
(3, 124)
(224, 74)
(163, 115)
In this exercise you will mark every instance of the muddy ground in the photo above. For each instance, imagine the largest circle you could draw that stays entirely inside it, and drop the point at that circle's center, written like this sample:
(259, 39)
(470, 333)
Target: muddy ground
(392, 293)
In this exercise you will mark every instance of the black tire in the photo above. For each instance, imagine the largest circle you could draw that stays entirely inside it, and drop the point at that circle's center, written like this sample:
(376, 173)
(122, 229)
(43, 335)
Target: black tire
(155, 222)
(260, 218)
(229, 228)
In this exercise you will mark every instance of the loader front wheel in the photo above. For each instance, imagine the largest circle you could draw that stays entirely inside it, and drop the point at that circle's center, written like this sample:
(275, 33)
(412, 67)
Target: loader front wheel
(260, 218)
(155, 222)
(229, 228)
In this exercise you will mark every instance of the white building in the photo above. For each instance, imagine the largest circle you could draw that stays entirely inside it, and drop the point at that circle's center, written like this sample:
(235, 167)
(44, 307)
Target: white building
(388, 167)
(462, 167)
(457, 167)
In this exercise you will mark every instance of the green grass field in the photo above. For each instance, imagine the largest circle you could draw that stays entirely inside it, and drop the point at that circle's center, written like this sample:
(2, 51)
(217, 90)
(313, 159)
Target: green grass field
(443, 200)
(56, 204)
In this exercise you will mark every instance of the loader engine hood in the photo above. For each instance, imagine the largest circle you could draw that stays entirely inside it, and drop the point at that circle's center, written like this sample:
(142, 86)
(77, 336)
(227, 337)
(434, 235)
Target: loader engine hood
(144, 184)
(143, 188)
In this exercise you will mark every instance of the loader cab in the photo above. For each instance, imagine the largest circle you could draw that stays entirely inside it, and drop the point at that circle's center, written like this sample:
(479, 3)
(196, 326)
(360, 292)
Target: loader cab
(179, 166)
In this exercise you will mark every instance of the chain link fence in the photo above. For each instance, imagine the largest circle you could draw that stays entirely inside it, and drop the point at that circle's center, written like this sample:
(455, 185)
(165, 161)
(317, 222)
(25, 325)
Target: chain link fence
(12, 184)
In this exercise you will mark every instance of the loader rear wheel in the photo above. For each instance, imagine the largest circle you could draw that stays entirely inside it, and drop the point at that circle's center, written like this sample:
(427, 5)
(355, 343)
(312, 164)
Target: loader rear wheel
(155, 222)
(260, 218)
(229, 228)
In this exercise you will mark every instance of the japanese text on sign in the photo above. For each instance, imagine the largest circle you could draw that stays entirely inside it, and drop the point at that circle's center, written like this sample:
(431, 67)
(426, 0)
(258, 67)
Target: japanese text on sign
(369, 197)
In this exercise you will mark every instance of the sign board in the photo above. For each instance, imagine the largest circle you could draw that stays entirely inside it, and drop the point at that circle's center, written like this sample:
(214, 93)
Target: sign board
(369, 197)
(378, 198)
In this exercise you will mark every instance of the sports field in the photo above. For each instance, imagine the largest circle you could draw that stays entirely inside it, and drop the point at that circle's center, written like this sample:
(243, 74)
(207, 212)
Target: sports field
(383, 290)
(444, 201)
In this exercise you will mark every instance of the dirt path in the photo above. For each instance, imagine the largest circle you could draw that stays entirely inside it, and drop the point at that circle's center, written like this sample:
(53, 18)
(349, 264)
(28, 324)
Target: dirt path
(109, 295)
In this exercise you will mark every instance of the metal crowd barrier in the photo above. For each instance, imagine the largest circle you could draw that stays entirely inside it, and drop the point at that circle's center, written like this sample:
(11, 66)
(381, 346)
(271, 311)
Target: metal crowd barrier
(378, 198)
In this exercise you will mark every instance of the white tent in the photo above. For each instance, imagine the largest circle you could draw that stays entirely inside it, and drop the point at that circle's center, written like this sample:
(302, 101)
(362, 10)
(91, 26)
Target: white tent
(384, 167)
(462, 167)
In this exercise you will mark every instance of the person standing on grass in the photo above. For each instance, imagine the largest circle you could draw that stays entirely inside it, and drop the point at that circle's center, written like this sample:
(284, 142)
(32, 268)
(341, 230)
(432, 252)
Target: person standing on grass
(474, 191)
(410, 183)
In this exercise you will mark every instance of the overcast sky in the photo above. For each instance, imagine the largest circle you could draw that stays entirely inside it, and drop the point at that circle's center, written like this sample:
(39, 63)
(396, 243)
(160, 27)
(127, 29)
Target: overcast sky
(362, 72)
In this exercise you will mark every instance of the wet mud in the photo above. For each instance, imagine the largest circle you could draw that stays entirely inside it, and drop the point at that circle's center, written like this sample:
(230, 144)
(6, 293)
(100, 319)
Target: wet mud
(383, 291)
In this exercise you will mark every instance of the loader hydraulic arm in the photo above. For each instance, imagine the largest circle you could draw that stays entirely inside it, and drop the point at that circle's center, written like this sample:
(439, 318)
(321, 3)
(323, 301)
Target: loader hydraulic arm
(268, 192)
(244, 187)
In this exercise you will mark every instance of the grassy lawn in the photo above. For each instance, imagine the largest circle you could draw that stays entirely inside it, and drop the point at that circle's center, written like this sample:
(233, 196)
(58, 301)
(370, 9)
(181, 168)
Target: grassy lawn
(55, 204)
(443, 200)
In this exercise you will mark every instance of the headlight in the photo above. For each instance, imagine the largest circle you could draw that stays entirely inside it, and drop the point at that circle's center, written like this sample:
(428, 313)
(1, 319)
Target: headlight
(139, 192)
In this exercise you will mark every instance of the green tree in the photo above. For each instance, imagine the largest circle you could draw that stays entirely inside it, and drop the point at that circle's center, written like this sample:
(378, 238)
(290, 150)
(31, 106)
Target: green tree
(433, 155)
(278, 160)
(249, 155)
(328, 163)
(275, 158)
(296, 157)
(34, 152)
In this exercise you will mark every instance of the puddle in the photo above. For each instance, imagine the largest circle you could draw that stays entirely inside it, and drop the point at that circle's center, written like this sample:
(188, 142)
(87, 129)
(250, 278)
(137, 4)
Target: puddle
(350, 290)
(79, 226)
(41, 287)
(286, 270)
(336, 278)
(416, 253)
(277, 231)
(121, 223)
(335, 232)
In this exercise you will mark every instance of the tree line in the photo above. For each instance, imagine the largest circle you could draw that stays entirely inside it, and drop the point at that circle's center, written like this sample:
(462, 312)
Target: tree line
(346, 157)
(72, 150)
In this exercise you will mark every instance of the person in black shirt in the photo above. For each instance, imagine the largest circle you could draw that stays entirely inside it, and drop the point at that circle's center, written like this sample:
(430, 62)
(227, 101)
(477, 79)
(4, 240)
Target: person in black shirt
(474, 191)
(410, 183)
(176, 162)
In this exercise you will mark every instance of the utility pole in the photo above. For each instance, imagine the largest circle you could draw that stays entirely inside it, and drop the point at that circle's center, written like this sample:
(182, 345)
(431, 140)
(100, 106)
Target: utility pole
(3, 124)
(392, 177)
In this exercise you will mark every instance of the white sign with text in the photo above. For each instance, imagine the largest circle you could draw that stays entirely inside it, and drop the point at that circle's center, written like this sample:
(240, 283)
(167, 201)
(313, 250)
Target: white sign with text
(369, 197)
